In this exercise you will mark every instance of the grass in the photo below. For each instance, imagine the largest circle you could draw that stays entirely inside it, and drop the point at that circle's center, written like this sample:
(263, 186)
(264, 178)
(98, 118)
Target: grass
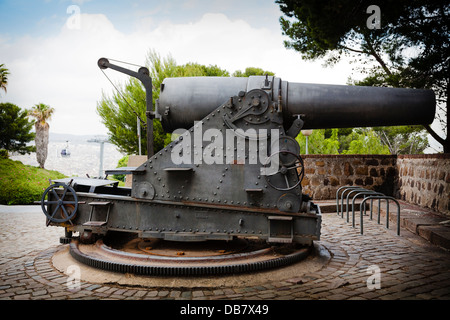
(22, 184)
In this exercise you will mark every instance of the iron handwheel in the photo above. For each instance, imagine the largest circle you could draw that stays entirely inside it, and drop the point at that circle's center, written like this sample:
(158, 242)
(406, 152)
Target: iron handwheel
(284, 170)
(68, 207)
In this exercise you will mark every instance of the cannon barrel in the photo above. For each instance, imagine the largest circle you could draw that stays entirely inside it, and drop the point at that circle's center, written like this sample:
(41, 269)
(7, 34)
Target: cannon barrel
(185, 100)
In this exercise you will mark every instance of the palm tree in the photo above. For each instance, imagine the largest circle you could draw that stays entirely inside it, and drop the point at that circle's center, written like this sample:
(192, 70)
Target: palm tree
(42, 113)
(3, 77)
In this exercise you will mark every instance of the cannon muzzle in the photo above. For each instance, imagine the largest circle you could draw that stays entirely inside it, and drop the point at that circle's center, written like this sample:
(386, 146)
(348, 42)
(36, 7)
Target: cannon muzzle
(185, 100)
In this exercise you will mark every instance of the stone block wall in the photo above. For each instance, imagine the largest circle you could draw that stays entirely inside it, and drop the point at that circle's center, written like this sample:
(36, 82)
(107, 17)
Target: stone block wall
(324, 174)
(425, 180)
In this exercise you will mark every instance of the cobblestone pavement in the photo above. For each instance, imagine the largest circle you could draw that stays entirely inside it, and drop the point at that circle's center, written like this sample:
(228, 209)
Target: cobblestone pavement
(410, 267)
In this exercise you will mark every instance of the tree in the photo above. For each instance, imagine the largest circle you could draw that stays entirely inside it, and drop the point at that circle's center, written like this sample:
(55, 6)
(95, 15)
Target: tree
(410, 49)
(403, 139)
(3, 77)
(252, 71)
(365, 141)
(343, 141)
(15, 129)
(120, 111)
(318, 143)
(42, 113)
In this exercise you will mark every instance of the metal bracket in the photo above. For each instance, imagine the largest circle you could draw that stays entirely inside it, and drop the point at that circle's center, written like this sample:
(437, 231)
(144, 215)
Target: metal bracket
(281, 229)
(98, 223)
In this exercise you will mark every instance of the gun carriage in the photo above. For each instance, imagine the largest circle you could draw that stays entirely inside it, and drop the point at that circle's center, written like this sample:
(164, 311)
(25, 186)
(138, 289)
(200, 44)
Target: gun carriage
(233, 172)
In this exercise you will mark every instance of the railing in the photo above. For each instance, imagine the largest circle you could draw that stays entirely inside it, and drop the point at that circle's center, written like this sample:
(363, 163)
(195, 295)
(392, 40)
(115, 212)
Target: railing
(387, 211)
(368, 195)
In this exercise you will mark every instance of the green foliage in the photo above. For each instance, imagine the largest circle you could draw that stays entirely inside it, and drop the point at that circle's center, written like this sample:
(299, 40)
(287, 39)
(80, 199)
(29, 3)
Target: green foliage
(198, 70)
(403, 139)
(123, 162)
(251, 71)
(4, 72)
(21, 184)
(120, 115)
(4, 154)
(318, 143)
(342, 141)
(15, 129)
(365, 141)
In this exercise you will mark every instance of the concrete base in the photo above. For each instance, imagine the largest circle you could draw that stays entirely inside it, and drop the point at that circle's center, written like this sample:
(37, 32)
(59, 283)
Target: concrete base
(318, 259)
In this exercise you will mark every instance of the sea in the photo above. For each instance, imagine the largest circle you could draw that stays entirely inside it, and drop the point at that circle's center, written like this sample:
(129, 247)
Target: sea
(84, 159)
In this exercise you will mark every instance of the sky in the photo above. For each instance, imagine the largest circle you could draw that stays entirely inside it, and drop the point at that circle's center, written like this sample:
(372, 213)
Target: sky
(51, 48)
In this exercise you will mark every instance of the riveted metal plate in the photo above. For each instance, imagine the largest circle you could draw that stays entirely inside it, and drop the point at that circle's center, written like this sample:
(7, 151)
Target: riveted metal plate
(145, 190)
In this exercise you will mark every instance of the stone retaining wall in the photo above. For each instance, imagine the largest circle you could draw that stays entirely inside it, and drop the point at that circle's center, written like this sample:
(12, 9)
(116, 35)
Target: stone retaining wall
(425, 180)
(419, 179)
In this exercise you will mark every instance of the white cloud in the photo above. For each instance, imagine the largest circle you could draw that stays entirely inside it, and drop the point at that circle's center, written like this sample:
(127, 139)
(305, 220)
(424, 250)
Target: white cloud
(62, 70)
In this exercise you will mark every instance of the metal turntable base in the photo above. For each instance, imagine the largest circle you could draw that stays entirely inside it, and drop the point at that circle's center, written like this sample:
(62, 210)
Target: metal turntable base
(168, 258)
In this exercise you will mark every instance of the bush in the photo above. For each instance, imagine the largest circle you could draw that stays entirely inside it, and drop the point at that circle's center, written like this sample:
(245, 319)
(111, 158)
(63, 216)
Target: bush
(4, 154)
(21, 184)
(123, 162)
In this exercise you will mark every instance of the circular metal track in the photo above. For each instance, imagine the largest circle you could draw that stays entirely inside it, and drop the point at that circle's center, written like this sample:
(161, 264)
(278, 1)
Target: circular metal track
(141, 264)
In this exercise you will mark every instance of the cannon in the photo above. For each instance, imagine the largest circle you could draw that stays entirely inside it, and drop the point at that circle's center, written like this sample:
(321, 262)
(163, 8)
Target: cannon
(233, 169)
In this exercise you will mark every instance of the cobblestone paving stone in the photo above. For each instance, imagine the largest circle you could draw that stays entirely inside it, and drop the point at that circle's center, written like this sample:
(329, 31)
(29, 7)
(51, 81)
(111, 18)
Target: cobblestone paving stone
(411, 268)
